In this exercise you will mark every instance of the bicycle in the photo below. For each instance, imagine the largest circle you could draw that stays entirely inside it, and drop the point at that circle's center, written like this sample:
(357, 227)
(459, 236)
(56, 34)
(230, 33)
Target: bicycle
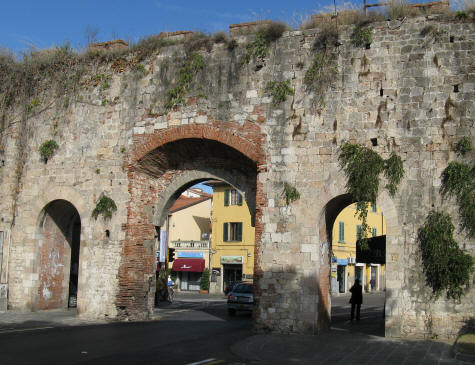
(171, 294)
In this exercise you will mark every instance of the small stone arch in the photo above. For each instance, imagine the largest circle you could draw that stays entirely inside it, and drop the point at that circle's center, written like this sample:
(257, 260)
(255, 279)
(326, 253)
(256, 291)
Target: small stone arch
(335, 204)
(57, 255)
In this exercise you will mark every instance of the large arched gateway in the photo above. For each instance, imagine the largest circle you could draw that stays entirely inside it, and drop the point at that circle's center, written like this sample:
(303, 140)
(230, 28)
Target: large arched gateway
(176, 160)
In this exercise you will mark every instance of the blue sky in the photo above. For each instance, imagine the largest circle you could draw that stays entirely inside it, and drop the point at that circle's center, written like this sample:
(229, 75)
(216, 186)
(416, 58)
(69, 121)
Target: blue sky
(48, 23)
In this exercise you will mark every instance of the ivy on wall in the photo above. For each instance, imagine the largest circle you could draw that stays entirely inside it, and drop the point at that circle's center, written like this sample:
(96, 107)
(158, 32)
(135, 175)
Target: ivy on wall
(458, 180)
(291, 193)
(279, 90)
(105, 206)
(446, 266)
(47, 149)
(363, 167)
(188, 70)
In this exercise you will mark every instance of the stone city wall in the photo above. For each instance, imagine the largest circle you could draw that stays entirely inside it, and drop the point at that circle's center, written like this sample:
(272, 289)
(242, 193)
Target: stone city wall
(412, 92)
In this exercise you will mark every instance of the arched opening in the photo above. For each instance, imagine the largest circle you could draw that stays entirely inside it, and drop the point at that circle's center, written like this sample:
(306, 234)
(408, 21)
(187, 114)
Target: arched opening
(350, 261)
(58, 250)
(159, 179)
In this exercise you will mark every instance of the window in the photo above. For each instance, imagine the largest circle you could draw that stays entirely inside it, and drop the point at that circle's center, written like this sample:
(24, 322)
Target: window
(341, 232)
(358, 232)
(232, 231)
(375, 232)
(232, 197)
(373, 205)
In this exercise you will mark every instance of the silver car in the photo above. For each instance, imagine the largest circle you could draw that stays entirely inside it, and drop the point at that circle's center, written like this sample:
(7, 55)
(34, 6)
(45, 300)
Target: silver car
(241, 298)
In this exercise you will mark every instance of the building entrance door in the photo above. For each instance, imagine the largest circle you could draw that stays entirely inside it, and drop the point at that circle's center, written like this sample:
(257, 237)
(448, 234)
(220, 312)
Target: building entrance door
(341, 278)
(231, 273)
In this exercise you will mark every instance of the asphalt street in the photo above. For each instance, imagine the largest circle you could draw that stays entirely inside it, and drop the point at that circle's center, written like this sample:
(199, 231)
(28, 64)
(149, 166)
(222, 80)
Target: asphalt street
(196, 330)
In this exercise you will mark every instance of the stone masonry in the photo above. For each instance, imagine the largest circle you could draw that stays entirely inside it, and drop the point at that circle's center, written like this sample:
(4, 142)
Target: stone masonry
(411, 92)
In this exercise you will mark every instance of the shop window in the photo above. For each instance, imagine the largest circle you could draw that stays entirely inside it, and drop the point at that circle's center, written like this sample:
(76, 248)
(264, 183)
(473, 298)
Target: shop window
(232, 231)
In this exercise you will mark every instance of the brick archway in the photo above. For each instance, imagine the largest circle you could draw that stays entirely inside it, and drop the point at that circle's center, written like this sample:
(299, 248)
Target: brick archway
(165, 162)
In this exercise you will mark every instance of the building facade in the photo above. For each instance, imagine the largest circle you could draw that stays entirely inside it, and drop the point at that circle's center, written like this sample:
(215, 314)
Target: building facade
(189, 229)
(232, 243)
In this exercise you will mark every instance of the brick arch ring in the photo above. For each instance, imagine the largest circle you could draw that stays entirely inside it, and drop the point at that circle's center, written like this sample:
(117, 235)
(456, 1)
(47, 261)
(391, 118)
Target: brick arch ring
(251, 149)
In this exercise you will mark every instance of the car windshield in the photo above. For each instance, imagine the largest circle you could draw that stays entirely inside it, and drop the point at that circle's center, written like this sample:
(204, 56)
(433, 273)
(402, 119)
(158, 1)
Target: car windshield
(243, 288)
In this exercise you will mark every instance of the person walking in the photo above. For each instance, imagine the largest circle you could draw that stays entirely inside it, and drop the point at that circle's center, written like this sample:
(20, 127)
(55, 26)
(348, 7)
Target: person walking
(356, 299)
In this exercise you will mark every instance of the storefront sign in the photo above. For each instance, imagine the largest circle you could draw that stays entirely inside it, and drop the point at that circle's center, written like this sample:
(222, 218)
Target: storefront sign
(343, 262)
(191, 255)
(231, 259)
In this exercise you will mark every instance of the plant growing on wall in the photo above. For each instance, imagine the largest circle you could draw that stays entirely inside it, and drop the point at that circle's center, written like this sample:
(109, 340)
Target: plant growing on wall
(204, 283)
(47, 149)
(446, 266)
(362, 36)
(291, 193)
(279, 90)
(463, 146)
(458, 180)
(188, 70)
(105, 206)
(363, 167)
(259, 48)
(323, 71)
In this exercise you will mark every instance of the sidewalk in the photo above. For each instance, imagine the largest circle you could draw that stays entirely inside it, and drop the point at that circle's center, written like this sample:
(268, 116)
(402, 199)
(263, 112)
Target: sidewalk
(340, 347)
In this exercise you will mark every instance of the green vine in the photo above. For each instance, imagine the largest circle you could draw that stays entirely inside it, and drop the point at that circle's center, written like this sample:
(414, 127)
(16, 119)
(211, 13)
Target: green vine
(291, 193)
(279, 90)
(463, 146)
(362, 36)
(47, 149)
(321, 74)
(105, 206)
(446, 266)
(259, 47)
(363, 168)
(458, 180)
(188, 70)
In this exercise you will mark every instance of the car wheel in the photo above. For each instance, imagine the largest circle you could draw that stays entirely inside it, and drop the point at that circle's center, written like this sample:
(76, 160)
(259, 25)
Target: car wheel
(232, 312)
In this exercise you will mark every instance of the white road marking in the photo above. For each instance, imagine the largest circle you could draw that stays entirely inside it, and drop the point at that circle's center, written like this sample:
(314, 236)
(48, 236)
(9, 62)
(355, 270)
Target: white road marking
(24, 329)
(201, 362)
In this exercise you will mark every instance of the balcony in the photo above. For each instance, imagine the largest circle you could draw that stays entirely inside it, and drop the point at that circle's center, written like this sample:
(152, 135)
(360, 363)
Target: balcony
(190, 244)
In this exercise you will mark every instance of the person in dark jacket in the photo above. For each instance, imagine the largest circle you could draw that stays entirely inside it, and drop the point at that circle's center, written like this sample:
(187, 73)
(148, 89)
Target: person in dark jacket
(356, 299)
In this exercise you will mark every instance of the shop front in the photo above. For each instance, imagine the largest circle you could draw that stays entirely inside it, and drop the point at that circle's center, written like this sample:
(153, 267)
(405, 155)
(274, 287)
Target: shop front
(189, 272)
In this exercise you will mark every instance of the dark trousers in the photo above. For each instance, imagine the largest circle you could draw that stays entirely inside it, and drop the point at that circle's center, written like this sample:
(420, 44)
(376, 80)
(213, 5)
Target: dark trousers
(358, 307)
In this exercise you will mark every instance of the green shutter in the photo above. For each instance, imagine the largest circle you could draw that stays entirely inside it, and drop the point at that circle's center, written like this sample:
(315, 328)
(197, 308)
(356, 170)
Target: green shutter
(239, 232)
(225, 232)
(341, 232)
(375, 232)
(239, 199)
(226, 197)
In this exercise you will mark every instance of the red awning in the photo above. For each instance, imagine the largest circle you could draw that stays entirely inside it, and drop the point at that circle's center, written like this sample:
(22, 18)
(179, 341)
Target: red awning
(195, 265)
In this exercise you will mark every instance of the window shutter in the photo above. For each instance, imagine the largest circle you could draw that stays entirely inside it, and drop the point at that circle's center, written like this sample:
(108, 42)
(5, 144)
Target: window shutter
(239, 199)
(358, 232)
(225, 232)
(341, 233)
(239, 231)
(226, 197)
(375, 231)
(374, 207)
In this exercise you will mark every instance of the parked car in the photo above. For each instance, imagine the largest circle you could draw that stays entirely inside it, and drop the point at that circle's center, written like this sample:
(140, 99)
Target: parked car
(241, 298)
(230, 286)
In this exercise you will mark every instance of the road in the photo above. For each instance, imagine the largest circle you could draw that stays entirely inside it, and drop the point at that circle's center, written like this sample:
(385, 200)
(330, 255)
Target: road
(192, 330)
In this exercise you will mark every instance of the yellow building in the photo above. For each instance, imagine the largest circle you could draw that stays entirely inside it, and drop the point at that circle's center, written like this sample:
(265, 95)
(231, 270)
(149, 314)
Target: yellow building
(189, 228)
(232, 241)
(345, 268)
